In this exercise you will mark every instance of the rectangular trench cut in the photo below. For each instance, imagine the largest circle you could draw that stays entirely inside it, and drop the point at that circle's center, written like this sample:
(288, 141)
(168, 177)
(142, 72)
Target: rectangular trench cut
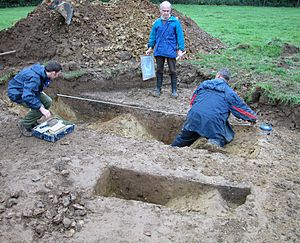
(133, 185)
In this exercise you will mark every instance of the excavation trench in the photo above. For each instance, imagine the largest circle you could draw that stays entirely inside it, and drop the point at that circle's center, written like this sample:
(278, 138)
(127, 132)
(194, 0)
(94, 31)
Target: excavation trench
(173, 192)
(144, 123)
(121, 119)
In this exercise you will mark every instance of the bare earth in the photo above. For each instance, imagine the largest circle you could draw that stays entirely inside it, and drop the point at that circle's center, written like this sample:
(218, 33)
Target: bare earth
(113, 181)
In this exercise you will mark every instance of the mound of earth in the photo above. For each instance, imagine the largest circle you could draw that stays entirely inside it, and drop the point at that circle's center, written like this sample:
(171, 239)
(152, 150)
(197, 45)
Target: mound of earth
(101, 34)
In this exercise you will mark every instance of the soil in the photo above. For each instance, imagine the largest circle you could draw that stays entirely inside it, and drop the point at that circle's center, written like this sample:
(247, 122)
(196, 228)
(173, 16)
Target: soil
(117, 179)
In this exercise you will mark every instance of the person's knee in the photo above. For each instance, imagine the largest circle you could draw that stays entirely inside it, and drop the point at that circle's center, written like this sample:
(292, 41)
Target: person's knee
(47, 103)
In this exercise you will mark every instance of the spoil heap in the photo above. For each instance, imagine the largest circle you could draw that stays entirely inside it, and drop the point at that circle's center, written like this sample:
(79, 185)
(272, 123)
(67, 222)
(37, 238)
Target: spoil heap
(101, 34)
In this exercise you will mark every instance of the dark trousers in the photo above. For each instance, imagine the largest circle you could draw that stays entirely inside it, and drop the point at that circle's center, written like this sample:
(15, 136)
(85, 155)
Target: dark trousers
(160, 63)
(33, 115)
(185, 138)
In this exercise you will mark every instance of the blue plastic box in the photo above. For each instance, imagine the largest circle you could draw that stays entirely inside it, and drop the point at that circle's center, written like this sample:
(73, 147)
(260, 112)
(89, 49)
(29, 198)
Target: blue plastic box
(43, 131)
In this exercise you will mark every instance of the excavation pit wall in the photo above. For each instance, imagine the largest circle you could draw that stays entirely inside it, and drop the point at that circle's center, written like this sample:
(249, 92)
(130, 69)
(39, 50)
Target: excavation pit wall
(147, 124)
(122, 120)
(174, 192)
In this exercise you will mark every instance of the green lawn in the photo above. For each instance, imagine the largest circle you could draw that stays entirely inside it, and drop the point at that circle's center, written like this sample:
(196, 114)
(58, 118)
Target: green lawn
(9, 16)
(255, 37)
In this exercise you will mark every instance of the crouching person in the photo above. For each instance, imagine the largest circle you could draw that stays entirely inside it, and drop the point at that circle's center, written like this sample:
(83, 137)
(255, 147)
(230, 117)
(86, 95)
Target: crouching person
(211, 105)
(26, 88)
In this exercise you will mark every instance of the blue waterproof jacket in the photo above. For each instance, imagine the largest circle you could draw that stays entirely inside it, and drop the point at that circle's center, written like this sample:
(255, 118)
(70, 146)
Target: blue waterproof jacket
(211, 105)
(27, 86)
(166, 38)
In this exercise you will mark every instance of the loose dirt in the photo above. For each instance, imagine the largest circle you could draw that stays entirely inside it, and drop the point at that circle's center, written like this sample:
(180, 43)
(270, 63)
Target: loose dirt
(115, 178)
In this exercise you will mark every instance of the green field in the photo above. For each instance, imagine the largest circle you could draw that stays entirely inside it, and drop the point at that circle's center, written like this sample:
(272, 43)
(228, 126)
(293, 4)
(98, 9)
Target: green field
(255, 37)
(9, 16)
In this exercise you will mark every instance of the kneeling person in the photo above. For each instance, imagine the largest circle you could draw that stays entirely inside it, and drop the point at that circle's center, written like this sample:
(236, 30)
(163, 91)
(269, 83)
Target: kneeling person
(211, 105)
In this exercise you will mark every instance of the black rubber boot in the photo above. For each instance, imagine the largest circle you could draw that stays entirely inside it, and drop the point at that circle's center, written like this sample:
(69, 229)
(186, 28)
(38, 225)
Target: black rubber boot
(159, 82)
(174, 85)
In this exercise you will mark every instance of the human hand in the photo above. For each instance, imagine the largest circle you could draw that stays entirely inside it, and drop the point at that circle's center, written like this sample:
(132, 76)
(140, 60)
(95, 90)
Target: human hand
(148, 52)
(180, 53)
(45, 112)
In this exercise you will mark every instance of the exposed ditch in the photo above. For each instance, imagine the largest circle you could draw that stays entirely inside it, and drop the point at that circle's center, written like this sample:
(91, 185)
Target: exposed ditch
(173, 192)
(146, 124)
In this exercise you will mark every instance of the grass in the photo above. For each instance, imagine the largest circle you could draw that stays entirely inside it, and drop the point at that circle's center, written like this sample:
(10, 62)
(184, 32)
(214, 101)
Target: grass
(9, 16)
(255, 37)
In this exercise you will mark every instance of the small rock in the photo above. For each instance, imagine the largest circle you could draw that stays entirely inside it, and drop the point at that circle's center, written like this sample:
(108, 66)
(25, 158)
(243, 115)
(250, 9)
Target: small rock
(39, 204)
(15, 195)
(65, 142)
(66, 201)
(38, 211)
(73, 224)
(49, 185)
(11, 202)
(2, 209)
(65, 173)
(73, 196)
(57, 219)
(55, 200)
(2, 198)
(147, 233)
(79, 225)
(50, 214)
(80, 212)
(9, 215)
(69, 233)
(40, 229)
(67, 222)
(36, 178)
(27, 213)
(78, 206)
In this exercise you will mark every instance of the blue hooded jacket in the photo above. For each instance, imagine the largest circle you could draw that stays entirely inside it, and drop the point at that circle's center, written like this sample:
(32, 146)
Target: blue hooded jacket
(212, 103)
(166, 38)
(27, 86)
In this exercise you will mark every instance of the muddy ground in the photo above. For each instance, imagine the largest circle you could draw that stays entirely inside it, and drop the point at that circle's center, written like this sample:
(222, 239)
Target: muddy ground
(116, 179)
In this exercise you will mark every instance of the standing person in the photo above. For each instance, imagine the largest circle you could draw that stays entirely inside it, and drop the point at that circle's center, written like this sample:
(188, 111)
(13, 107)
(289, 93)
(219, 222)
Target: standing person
(26, 88)
(167, 40)
(211, 105)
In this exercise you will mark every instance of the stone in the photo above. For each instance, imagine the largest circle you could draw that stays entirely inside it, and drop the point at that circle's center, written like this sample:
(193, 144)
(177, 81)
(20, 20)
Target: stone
(11, 202)
(27, 212)
(69, 233)
(67, 223)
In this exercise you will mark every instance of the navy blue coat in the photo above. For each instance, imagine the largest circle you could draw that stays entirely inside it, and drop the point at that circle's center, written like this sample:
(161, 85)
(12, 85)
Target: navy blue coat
(27, 85)
(211, 105)
(167, 38)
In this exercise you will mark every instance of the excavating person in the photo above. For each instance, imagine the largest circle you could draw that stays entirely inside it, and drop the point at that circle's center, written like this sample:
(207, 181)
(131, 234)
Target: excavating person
(211, 105)
(64, 8)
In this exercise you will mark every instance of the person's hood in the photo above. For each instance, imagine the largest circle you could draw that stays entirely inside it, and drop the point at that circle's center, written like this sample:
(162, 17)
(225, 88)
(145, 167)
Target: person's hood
(40, 70)
(215, 84)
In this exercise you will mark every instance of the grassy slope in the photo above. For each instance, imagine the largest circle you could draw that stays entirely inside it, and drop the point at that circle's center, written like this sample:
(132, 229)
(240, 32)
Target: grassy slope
(9, 16)
(255, 36)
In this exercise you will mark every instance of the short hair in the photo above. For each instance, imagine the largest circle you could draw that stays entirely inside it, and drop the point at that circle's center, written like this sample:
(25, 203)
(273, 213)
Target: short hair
(225, 73)
(167, 3)
(53, 66)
